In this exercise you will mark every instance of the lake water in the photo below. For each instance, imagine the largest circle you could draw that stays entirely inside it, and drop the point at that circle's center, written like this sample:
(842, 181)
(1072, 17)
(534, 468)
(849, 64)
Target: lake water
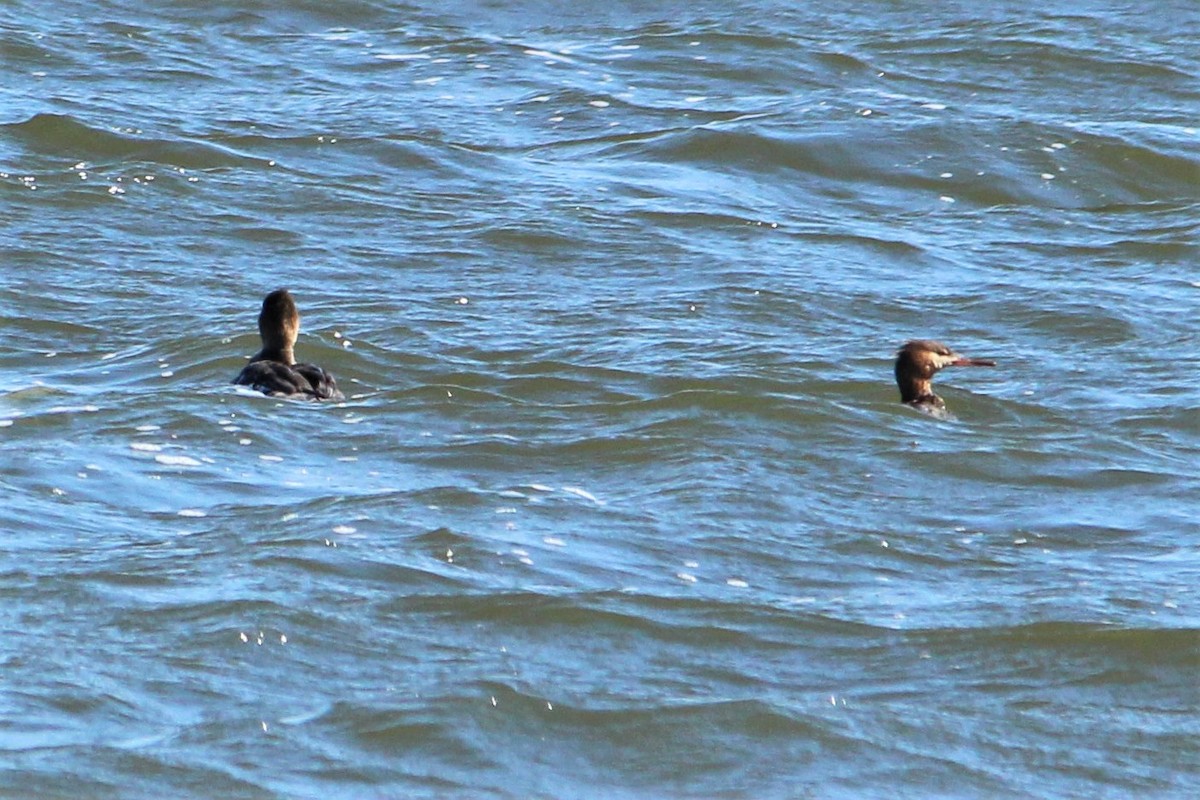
(622, 502)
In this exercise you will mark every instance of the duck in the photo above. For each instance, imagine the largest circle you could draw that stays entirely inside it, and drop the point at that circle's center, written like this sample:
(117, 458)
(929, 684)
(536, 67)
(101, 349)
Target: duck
(916, 364)
(273, 369)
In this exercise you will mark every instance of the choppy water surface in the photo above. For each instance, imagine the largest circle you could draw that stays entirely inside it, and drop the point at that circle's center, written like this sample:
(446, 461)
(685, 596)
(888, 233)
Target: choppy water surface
(622, 502)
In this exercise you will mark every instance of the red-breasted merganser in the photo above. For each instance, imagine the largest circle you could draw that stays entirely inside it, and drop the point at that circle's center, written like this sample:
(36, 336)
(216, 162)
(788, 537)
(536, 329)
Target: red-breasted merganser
(916, 364)
(273, 370)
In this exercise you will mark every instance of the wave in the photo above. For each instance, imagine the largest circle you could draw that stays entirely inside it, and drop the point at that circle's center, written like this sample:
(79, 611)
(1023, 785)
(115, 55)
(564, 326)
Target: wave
(65, 136)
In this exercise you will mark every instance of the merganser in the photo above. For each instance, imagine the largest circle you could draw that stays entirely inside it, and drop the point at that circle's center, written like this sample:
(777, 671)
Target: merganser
(916, 364)
(273, 370)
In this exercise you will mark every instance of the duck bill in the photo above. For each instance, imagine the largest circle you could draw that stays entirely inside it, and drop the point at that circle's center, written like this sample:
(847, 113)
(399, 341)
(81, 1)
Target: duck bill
(972, 362)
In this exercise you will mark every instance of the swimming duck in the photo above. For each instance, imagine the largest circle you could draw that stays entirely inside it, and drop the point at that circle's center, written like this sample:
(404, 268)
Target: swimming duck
(273, 369)
(916, 364)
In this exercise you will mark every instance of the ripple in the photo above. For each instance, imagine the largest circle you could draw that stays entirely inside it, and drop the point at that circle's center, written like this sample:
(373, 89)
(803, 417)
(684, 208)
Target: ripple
(622, 502)
(68, 137)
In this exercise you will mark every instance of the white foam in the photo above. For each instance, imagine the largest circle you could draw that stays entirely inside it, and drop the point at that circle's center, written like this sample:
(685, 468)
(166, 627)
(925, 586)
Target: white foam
(177, 461)
(586, 495)
(546, 54)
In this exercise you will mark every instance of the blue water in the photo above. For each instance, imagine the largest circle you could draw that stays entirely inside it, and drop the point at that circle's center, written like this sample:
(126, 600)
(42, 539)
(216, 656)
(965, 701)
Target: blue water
(622, 502)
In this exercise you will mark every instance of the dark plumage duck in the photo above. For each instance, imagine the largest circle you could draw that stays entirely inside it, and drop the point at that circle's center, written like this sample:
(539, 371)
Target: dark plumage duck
(273, 370)
(916, 364)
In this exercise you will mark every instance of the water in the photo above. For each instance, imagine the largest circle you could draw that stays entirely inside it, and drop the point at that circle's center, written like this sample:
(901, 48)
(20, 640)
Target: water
(622, 503)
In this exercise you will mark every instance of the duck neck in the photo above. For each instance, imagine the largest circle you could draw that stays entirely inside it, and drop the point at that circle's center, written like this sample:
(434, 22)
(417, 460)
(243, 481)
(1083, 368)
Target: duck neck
(275, 351)
(913, 389)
